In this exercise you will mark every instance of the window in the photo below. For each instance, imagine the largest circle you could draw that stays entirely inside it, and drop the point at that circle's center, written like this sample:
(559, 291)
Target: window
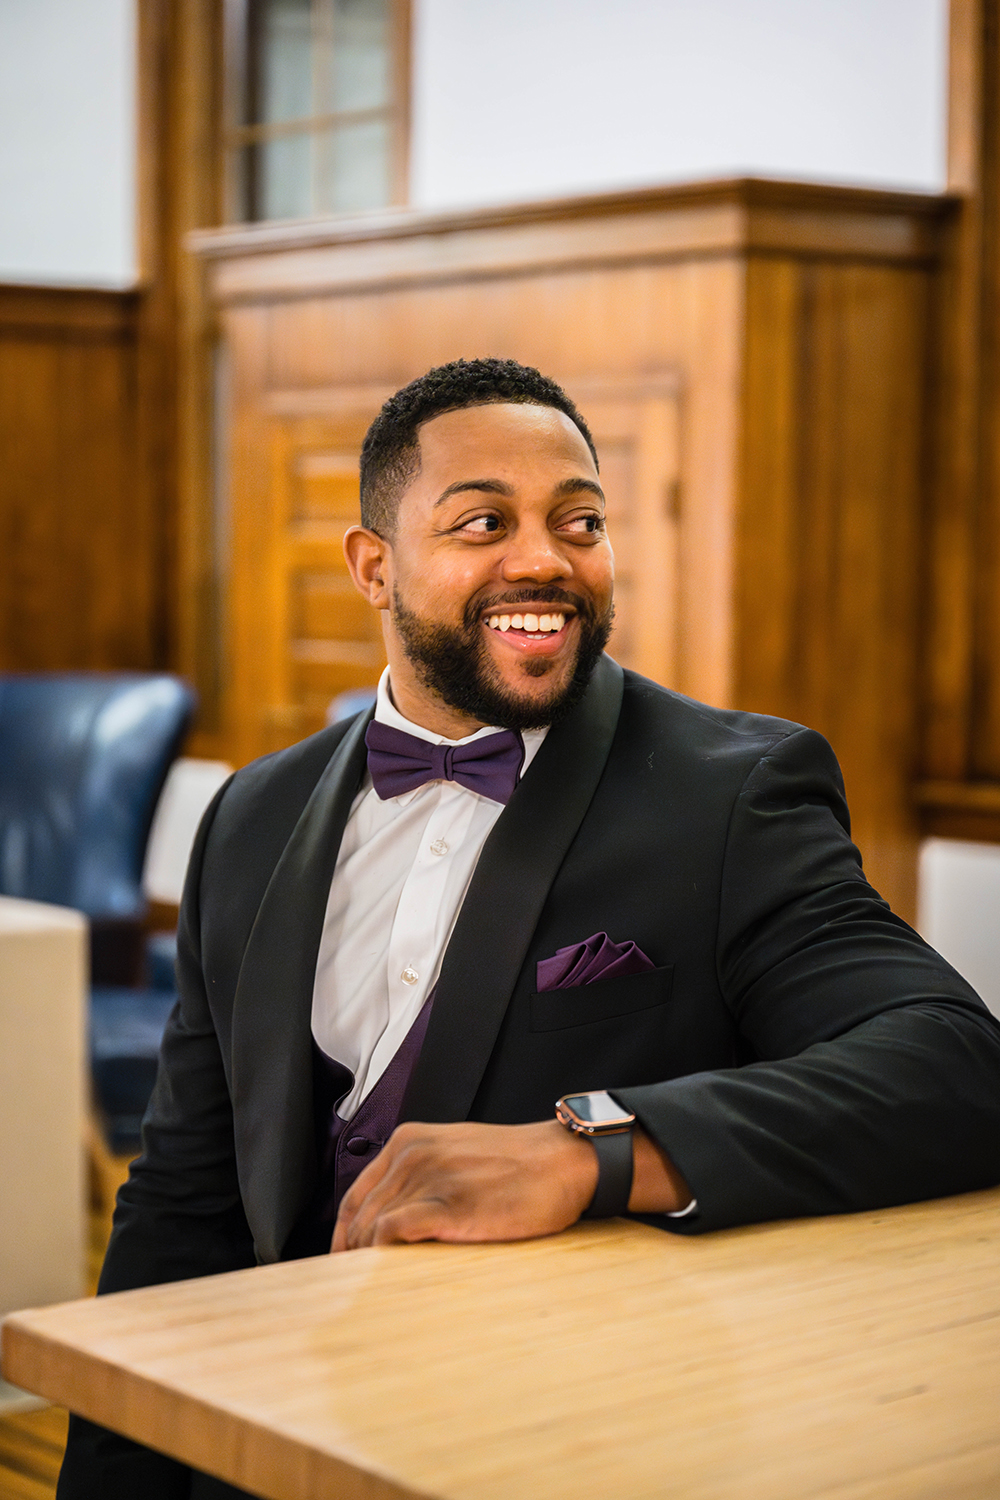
(318, 106)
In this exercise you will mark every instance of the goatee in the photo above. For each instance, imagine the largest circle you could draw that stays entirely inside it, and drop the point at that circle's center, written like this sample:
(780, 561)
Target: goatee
(454, 663)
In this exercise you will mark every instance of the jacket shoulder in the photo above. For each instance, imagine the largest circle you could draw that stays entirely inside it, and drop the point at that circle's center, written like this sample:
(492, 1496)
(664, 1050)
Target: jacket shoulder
(265, 798)
(739, 744)
(647, 700)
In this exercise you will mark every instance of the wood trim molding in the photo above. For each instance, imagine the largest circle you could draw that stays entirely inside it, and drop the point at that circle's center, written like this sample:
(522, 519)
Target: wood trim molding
(180, 178)
(68, 313)
(959, 796)
(743, 217)
(749, 192)
(961, 714)
(402, 25)
(340, 400)
(968, 810)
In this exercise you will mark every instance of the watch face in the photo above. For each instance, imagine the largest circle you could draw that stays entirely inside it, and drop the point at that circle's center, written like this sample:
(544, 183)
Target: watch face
(595, 1110)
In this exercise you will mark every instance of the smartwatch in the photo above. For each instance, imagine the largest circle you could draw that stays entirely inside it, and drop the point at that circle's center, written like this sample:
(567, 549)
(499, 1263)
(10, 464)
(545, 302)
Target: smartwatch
(609, 1129)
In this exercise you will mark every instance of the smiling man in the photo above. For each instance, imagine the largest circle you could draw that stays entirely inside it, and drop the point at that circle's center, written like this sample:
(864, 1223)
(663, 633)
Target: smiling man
(536, 938)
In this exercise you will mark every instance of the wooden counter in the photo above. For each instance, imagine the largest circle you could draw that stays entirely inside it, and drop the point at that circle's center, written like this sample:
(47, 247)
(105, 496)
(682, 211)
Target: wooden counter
(855, 1357)
(758, 364)
(43, 1093)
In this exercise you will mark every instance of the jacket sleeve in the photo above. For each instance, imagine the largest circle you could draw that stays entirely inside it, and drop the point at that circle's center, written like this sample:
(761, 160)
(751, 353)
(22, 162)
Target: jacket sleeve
(178, 1216)
(875, 1071)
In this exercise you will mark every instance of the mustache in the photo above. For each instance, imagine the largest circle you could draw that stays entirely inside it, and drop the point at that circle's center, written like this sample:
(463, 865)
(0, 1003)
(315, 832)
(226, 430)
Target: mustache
(546, 593)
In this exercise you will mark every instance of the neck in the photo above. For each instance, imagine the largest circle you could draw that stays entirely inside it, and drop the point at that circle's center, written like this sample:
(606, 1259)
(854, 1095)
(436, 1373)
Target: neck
(430, 713)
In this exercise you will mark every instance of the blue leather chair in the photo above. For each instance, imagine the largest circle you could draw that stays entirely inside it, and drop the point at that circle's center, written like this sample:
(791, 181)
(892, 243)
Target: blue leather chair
(83, 759)
(347, 704)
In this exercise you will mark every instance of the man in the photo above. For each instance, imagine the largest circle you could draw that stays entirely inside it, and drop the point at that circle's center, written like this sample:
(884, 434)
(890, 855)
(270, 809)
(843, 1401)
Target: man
(531, 876)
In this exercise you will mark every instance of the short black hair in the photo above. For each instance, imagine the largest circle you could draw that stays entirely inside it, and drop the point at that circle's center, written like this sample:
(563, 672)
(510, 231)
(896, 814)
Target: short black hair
(390, 455)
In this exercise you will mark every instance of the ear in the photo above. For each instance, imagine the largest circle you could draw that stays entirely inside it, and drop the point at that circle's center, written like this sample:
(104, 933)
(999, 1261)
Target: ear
(369, 560)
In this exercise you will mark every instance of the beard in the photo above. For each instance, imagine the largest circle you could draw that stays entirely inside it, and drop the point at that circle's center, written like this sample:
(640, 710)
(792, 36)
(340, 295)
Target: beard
(454, 663)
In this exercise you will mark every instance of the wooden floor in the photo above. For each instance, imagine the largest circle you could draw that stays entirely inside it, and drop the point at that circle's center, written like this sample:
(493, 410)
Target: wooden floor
(32, 1442)
(31, 1449)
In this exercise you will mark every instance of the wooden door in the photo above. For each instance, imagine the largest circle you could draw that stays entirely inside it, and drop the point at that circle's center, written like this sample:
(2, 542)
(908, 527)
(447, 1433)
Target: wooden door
(636, 431)
(312, 635)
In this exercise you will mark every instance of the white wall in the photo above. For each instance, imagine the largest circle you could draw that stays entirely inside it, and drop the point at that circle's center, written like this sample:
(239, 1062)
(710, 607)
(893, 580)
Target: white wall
(529, 98)
(67, 150)
(960, 910)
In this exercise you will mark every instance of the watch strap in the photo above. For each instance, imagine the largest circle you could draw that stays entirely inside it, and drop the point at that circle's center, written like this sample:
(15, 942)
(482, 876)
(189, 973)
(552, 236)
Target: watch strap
(614, 1174)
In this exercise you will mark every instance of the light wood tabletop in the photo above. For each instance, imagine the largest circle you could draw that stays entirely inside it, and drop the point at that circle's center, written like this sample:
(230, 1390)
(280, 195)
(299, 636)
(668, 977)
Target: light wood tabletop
(854, 1357)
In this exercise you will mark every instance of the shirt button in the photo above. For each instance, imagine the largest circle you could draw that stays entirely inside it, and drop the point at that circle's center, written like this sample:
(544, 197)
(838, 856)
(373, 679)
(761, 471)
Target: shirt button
(409, 975)
(439, 847)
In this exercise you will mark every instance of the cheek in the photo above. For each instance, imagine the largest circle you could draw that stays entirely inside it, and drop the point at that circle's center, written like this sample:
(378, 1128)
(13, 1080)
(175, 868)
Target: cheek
(441, 587)
(597, 571)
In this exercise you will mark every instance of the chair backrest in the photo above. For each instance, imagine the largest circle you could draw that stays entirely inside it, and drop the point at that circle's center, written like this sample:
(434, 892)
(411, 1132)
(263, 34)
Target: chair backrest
(190, 787)
(83, 758)
(347, 704)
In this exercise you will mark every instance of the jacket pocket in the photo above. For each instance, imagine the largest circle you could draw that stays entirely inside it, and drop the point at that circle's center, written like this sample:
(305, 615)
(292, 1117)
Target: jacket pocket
(604, 1000)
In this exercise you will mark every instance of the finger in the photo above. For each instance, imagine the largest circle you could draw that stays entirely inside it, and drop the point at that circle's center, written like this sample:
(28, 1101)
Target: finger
(356, 1194)
(403, 1158)
(407, 1224)
(399, 1184)
(371, 1178)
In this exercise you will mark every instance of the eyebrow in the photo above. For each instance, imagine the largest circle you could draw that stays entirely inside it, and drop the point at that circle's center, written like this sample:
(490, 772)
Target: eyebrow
(566, 487)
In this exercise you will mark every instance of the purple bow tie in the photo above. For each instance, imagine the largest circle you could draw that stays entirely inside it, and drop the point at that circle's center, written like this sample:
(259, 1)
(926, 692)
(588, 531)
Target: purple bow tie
(401, 762)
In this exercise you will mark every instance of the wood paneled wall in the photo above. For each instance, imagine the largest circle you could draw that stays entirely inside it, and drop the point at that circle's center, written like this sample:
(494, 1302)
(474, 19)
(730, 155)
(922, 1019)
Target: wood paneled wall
(93, 456)
(756, 360)
(829, 572)
(960, 787)
(81, 579)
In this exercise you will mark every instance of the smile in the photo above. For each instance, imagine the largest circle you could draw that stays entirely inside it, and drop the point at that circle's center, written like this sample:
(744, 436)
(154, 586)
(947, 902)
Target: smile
(531, 624)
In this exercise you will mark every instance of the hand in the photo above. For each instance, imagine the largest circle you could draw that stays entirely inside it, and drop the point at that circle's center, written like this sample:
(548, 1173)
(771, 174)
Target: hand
(469, 1182)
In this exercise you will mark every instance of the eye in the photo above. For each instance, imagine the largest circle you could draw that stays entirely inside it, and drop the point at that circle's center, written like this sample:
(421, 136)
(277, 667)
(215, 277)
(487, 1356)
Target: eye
(486, 525)
(587, 523)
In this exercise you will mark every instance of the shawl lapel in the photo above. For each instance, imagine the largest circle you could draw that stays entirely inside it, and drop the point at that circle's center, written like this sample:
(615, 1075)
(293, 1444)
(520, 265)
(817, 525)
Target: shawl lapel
(272, 1067)
(518, 864)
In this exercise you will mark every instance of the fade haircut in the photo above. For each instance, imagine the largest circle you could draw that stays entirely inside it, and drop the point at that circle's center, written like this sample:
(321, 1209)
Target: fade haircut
(390, 456)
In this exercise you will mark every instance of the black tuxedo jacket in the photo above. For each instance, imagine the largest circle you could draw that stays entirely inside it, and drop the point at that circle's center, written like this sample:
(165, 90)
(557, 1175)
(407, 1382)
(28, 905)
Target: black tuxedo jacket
(797, 1050)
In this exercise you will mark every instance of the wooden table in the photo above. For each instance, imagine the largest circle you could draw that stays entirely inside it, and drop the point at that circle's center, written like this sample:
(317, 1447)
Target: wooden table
(856, 1358)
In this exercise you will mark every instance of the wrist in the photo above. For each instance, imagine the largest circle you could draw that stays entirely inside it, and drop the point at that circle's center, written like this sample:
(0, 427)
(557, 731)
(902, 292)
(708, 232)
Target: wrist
(572, 1164)
(606, 1126)
(657, 1186)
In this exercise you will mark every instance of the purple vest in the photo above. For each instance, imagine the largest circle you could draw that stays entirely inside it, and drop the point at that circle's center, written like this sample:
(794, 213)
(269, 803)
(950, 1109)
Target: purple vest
(345, 1147)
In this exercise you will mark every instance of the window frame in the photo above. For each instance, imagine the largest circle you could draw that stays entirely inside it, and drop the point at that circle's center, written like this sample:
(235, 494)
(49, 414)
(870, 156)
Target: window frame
(237, 135)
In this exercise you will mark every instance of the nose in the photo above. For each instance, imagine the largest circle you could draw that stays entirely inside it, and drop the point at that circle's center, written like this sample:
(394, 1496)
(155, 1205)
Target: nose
(533, 553)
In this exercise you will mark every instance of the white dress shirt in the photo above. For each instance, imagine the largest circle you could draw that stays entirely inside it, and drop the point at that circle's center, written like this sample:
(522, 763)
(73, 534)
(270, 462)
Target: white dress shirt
(401, 876)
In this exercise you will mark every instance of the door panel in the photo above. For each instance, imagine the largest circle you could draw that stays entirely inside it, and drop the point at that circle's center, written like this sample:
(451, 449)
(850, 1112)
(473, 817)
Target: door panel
(636, 433)
(320, 638)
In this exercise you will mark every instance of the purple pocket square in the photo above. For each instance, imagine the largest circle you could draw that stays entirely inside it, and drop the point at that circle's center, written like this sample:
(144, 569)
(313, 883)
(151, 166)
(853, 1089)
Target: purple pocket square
(596, 958)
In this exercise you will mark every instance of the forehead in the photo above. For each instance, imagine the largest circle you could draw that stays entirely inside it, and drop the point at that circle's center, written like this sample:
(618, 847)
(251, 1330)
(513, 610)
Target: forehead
(501, 441)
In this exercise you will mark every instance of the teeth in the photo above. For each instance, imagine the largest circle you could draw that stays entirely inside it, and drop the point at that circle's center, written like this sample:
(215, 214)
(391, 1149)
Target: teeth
(531, 623)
